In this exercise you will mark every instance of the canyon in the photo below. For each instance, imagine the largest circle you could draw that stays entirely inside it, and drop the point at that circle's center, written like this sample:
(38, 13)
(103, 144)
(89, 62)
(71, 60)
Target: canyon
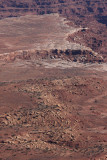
(53, 80)
(91, 14)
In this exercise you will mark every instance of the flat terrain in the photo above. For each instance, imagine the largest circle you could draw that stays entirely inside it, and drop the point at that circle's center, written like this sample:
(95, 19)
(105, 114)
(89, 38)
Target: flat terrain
(51, 108)
(89, 14)
(41, 32)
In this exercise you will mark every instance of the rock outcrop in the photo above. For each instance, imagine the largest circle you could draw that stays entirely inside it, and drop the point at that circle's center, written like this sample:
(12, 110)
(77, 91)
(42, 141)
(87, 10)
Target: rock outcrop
(84, 56)
(91, 14)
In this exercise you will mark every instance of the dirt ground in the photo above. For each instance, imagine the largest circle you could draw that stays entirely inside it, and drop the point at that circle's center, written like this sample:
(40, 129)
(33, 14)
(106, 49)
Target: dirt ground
(52, 109)
(40, 32)
(54, 112)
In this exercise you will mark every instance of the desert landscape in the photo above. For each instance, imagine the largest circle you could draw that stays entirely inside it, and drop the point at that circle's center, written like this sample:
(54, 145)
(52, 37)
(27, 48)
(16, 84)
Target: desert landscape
(53, 80)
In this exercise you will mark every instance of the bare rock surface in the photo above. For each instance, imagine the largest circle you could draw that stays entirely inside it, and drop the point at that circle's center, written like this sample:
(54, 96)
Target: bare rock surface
(53, 80)
(54, 117)
(90, 14)
(42, 32)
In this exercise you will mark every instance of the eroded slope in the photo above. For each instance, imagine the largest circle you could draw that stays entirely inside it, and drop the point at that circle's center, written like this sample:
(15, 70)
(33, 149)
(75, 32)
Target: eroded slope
(54, 119)
(91, 14)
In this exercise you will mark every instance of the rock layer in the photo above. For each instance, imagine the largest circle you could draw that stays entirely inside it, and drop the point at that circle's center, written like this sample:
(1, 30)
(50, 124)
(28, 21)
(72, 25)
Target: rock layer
(91, 14)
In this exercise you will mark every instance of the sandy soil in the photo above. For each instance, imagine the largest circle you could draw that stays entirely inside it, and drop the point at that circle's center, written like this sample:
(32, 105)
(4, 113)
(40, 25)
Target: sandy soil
(42, 32)
(50, 108)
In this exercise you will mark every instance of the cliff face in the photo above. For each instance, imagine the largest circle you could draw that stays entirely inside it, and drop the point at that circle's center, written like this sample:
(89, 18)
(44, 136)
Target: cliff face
(51, 106)
(79, 8)
(91, 14)
(84, 56)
